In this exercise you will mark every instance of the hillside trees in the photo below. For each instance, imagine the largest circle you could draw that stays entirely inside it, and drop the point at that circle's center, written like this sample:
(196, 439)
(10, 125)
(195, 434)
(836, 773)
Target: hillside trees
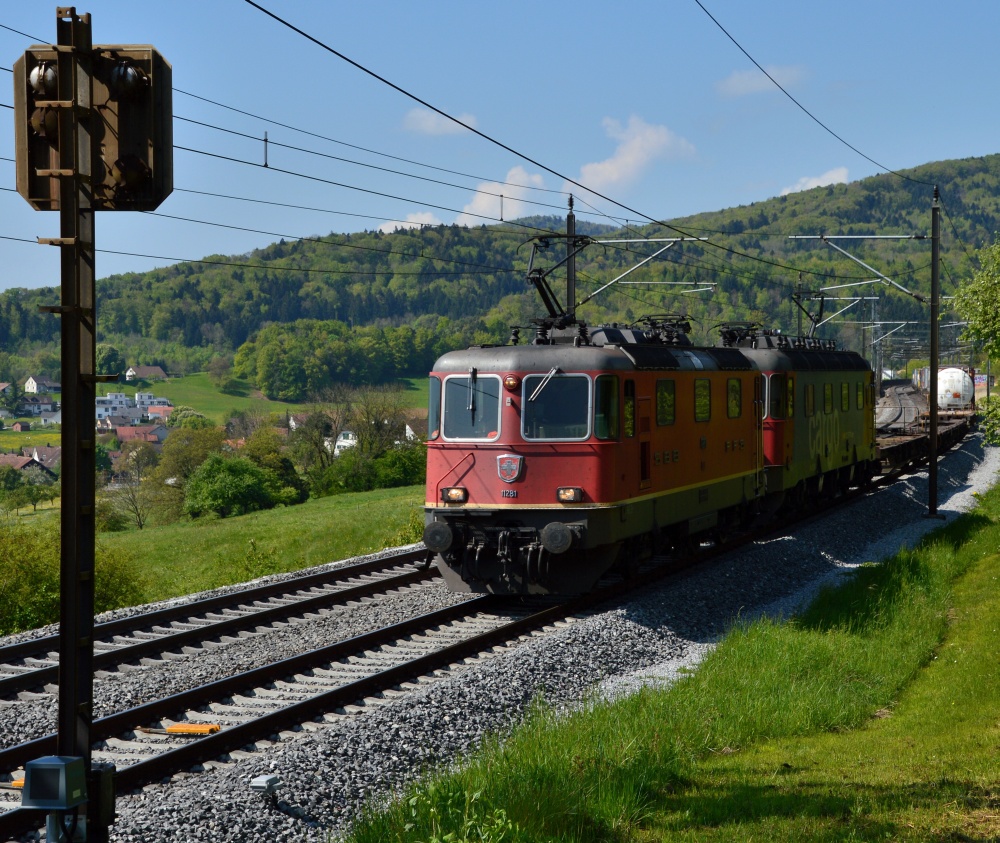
(978, 302)
(289, 362)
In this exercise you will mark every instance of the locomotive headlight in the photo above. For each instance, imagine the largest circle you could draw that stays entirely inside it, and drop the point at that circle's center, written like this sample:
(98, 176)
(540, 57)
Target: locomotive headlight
(511, 382)
(454, 494)
(569, 494)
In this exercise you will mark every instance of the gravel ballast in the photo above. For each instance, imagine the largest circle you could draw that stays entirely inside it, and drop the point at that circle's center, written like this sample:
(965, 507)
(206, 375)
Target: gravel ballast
(329, 770)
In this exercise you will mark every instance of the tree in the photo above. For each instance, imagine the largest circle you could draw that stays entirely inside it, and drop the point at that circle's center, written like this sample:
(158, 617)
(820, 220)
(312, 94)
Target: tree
(378, 419)
(264, 449)
(227, 486)
(978, 302)
(11, 400)
(989, 419)
(184, 450)
(183, 416)
(131, 492)
(109, 360)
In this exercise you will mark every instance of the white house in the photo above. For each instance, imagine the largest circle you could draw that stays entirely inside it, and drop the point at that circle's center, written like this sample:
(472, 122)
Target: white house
(345, 439)
(37, 386)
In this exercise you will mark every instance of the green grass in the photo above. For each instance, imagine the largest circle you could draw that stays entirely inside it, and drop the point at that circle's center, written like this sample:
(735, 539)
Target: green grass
(874, 716)
(11, 440)
(199, 392)
(196, 555)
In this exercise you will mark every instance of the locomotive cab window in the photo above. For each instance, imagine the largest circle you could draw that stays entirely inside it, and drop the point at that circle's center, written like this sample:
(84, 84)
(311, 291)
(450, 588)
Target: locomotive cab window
(828, 398)
(734, 398)
(702, 400)
(606, 407)
(810, 400)
(555, 407)
(860, 397)
(845, 397)
(434, 409)
(471, 407)
(666, 404)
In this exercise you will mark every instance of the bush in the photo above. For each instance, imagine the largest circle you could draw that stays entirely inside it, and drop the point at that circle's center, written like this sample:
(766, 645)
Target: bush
(227, 486)
(353, 471)
(29, 578)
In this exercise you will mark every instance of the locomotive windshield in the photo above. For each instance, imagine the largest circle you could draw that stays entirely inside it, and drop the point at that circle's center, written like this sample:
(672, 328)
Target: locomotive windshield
(472, 406)
(555, 407)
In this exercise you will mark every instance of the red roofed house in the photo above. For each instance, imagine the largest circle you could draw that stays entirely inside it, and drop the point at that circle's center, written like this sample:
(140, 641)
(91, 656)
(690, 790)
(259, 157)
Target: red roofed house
(154, 433)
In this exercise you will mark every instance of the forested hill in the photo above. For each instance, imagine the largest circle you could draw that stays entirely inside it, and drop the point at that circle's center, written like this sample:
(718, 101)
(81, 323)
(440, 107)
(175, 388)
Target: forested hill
(454, 285)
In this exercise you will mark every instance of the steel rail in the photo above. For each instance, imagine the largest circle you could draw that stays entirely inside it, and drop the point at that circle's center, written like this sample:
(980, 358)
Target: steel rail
(171, 641)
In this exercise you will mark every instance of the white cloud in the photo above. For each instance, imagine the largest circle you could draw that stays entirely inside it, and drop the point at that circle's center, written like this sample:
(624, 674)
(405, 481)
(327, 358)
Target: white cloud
(838, 175)
(495, 201)
(412, 221)
(422, 121)
(639, 144)
(743, 83)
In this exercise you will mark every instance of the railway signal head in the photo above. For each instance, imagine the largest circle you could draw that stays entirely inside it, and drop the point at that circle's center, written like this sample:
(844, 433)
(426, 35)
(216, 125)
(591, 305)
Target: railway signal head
(121, 96)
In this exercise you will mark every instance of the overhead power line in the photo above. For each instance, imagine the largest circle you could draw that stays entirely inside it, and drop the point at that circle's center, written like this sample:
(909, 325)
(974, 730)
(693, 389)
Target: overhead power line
(804, 110)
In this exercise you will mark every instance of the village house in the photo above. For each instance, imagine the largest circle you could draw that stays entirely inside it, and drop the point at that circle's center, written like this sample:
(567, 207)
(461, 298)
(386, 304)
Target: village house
(154, 433)
(33, 405)
(21, 463)
(47, 455)
(146, 373)
(38, 385)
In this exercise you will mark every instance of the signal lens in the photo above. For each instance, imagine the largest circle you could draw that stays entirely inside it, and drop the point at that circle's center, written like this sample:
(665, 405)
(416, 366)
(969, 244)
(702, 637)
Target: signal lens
(569, 494)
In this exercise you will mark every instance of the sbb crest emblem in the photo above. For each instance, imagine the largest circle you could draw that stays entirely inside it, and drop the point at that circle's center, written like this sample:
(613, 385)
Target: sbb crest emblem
(509, 467)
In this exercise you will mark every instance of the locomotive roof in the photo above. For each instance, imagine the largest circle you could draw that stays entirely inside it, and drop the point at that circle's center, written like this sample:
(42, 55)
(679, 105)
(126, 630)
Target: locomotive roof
(813, 359)
(628, 357)
(567, 357)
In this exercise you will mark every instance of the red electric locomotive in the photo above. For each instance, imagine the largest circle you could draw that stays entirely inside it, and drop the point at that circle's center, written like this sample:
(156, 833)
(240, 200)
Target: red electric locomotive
(548, 463)
(819, 414)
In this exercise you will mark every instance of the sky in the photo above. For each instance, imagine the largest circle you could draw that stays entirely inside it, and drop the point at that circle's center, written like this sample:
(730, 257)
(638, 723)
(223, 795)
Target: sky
(657, 105)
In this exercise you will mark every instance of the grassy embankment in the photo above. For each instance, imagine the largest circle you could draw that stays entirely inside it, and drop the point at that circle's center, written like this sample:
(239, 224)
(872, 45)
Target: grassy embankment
(195, 555)
(874, 716)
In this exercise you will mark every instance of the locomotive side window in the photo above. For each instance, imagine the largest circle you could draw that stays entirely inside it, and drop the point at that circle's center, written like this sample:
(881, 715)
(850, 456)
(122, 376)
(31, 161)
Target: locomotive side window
(471, 406)
(606, 407)
(791, 397)
(810, 400)
(734, 398)
(777, 399)
(434, 409)
(666, 402)
(629, 408)
(828, 398)
(555, 407)
(845, 397)
(860, 398)
(702, 399)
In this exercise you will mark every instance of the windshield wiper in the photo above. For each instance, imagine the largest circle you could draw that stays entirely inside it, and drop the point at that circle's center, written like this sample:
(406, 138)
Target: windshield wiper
(543, 384)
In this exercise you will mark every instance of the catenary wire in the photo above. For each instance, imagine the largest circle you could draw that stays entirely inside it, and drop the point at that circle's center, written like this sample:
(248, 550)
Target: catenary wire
(801, 107)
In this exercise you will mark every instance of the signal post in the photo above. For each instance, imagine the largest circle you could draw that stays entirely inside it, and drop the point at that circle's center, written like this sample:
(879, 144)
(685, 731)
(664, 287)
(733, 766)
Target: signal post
(93, 133)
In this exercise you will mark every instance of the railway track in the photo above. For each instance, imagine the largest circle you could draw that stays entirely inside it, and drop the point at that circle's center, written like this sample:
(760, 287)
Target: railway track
(239, 714)
(292, 694)
(162, 633)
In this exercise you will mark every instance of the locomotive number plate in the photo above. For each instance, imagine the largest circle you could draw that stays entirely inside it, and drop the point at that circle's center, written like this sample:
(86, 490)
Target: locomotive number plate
(508, 493)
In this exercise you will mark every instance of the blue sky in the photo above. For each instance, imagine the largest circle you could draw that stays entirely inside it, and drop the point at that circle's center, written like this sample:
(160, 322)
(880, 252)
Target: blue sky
(650, 104)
